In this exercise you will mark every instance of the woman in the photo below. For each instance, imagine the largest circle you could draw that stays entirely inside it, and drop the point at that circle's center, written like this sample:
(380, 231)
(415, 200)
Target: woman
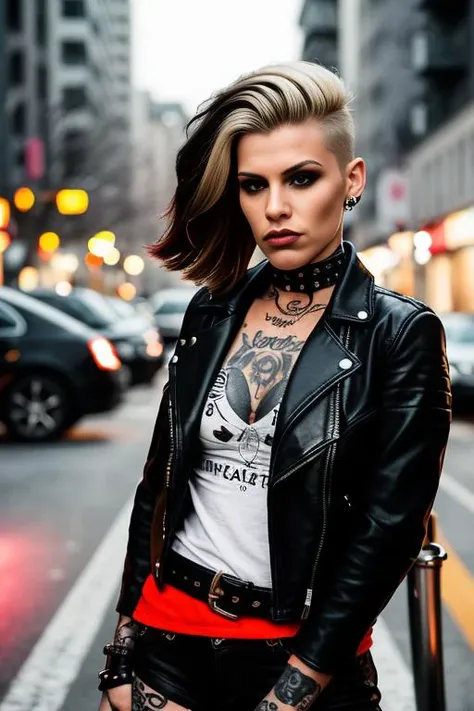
(299, 442)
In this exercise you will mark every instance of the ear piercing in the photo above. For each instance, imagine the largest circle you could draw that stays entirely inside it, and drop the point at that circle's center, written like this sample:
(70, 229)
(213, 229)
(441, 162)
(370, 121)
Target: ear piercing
(351, 202)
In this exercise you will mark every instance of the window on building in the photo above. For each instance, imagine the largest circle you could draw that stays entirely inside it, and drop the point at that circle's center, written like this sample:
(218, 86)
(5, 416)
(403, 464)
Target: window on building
(42, 82)
(18, 120)
(41, 22)
(74, 151)
(419, 118)
(74, 8)
(14, 15)
(16, 68)
(74, 52)
(74, 97)
(20, 158)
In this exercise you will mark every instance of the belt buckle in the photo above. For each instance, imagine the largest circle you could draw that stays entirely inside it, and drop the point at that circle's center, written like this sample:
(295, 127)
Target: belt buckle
(214, 594)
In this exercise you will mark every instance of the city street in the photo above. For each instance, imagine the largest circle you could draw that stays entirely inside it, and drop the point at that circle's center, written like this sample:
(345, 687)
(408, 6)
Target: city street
(64, 512)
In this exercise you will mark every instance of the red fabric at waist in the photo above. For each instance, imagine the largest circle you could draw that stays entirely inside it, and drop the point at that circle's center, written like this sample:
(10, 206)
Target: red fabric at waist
(172, 610)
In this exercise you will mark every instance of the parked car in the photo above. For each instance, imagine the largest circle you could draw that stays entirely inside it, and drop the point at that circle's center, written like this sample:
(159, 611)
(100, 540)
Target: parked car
(139, 344)
(459, 328)
(53, 369)
(169, 306)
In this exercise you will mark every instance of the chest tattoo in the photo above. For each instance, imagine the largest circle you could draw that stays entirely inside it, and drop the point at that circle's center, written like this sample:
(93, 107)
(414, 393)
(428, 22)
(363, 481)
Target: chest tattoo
(265, 362)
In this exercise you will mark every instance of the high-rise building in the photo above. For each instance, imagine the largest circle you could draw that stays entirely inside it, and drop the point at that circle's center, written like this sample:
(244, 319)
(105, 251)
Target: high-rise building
(67, 87)
(319, 24)
(386, 91)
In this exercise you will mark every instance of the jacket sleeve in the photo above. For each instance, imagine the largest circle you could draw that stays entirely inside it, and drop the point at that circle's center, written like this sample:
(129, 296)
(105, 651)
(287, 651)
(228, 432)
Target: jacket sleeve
(137, 565)
(395, 499)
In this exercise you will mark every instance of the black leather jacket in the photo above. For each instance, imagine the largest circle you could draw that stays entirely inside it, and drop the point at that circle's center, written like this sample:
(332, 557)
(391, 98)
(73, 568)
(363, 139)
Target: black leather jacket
(357, 454)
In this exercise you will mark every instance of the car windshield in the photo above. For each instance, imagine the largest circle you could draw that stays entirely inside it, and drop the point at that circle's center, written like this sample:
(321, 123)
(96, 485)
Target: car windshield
(459, 328)
(122, 308)
(36, 307)
(103, 312)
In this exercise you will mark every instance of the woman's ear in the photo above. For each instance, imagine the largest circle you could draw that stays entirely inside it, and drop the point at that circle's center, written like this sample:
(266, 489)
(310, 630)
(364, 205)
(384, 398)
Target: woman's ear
(356, 176)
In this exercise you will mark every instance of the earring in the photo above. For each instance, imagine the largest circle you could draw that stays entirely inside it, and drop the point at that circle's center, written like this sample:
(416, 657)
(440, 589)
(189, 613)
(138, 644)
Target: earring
(351, 202)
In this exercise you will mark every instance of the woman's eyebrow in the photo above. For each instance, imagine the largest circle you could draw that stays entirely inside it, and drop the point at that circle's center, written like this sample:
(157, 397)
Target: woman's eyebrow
(285, 172)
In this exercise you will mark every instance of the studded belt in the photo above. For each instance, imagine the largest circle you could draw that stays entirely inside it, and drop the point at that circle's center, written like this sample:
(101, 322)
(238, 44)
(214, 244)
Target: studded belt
(225, 595)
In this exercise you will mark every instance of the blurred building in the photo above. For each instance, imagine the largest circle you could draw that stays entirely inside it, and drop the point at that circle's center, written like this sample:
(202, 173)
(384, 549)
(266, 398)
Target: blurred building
(158, 130)
(415, 128)
(441, 166)
(66, 110)
(386, 88)
(68, 76)
(319, 25)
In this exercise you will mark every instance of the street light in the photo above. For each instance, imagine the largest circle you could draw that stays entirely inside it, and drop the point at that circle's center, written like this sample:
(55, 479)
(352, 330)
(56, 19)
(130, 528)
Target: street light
(72, 202)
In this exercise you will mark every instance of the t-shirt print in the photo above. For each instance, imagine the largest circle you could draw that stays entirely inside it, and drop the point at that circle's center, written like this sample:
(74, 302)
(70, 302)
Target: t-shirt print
(223, 426)
(227, 528)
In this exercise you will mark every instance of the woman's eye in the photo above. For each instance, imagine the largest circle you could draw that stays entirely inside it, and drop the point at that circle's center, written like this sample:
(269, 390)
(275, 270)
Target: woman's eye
(251, 186)
(303, 180)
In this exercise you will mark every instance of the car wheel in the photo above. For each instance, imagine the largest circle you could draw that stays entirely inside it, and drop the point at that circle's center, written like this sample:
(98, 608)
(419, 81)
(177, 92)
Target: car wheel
(37, 409)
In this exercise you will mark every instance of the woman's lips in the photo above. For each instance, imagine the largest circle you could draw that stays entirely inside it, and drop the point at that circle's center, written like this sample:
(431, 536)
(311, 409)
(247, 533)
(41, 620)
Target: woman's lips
(283, 240)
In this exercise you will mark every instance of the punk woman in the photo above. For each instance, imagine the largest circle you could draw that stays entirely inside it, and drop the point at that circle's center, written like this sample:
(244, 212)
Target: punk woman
(300, 438)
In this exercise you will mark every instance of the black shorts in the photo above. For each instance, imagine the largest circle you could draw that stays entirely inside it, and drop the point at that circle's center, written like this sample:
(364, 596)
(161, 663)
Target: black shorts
(211, 674)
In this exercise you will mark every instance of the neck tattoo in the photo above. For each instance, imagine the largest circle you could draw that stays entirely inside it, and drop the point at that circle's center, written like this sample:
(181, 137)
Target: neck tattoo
(293, 311)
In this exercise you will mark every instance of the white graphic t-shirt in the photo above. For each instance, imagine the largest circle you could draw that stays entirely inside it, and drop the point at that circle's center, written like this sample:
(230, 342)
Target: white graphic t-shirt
(227, 529)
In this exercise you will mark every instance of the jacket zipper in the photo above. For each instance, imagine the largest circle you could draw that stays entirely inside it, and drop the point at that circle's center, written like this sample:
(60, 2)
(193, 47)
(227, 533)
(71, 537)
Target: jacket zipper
(329, 463)
(169, 466)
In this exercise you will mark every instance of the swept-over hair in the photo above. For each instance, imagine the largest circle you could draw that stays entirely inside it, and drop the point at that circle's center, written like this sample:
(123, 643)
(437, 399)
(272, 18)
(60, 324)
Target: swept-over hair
(208, 237)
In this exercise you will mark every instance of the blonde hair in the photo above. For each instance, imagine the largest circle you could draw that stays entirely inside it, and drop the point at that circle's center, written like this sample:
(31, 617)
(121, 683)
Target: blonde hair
(208, 237)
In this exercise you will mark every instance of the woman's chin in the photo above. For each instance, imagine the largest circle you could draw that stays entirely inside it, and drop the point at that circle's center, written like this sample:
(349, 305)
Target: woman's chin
(286, 261)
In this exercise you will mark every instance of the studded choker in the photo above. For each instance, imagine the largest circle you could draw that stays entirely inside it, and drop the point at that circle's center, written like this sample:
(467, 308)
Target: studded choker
(312, 277)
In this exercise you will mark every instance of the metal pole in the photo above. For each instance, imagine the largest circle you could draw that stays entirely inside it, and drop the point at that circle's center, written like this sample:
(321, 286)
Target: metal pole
(424, 606)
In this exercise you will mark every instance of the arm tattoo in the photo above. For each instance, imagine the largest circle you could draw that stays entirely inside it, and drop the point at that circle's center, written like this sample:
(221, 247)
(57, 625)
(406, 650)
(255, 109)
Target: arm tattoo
(267, 706)
(296, 689)
(126, 633)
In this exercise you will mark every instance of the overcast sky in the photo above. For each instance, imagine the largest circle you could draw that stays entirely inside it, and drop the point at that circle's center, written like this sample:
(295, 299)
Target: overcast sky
(186, 49)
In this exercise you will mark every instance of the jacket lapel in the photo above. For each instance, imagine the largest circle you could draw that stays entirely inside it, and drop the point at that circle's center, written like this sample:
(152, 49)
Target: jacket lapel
(324, 361)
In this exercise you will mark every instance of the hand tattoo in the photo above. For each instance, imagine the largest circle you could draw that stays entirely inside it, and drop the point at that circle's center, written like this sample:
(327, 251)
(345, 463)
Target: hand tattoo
(295, 688)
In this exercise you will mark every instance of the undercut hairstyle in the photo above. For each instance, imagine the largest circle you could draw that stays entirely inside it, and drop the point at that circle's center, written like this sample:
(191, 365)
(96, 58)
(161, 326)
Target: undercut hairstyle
(208, 237)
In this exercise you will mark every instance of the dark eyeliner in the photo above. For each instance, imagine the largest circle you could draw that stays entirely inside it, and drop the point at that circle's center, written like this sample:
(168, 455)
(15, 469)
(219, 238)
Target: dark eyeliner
(310, 175)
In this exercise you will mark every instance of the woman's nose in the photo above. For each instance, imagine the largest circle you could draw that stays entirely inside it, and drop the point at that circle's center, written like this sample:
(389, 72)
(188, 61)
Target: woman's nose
(277, 206)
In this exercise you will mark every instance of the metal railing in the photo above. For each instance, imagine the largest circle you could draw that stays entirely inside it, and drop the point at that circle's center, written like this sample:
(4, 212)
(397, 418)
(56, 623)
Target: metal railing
(424, 608)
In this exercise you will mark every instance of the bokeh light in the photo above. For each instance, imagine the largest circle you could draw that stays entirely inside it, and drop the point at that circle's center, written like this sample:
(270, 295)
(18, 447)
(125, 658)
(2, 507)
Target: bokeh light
(133, 264)
(28, 278)
(49, 241)
(63, 288)
(24, 199)
(112, 258)
(127, 291)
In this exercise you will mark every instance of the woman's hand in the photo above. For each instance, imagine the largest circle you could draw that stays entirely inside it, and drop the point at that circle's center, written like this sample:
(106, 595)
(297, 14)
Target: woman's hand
(297, 688)
(118, 699)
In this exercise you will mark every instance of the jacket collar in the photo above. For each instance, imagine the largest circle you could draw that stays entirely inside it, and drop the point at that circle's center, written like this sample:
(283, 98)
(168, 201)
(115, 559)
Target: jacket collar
(352, 300)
